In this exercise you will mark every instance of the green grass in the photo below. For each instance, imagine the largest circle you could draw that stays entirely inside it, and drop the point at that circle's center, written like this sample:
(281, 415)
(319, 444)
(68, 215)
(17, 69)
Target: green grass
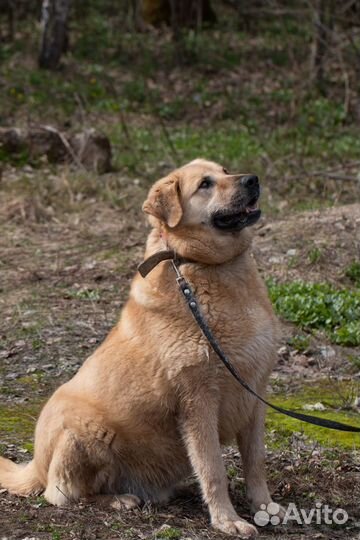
(353, 272)
(127, 84)
(314, 255)
(169, 533)
(336, 397)
(238, 146)
(92, 295)
(319, 306)
(299, 342)
(17, 423)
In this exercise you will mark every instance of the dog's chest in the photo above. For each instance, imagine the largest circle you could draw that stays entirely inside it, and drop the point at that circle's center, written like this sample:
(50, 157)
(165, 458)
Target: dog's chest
(240, 319)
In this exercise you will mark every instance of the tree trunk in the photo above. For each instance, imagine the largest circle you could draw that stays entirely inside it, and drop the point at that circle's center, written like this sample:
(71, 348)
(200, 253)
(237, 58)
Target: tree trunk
(8, 7)
(54, 40)
(185, 12)
(323, 25)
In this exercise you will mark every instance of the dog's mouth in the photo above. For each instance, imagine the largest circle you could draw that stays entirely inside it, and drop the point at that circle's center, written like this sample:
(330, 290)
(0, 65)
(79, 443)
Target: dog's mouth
(237, 219)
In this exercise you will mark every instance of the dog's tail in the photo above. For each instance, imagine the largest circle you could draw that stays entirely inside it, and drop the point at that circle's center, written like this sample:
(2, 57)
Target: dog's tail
(19, 479)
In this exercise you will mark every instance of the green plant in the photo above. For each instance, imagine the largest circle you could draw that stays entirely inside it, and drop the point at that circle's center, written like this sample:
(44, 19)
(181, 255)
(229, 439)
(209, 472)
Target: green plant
(319, 306)
(353, 272)
(299, 342)
(85, 294)
(355, 359)
(170, 533)
(314, 255)
(231, 471)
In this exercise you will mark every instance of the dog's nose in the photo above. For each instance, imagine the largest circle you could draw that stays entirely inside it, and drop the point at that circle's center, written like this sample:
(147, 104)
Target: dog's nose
(250, 181)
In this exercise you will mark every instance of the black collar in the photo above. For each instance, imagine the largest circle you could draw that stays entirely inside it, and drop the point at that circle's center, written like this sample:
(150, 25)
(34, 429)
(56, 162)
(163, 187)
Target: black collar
(167, 254)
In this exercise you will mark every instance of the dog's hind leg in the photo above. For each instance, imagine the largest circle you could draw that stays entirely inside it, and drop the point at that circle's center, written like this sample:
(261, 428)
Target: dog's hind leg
(63, 486)
(80, 466)
(118, 502)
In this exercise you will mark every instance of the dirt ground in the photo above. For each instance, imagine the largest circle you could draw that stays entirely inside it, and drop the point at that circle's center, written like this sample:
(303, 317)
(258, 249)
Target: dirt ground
(63, 283)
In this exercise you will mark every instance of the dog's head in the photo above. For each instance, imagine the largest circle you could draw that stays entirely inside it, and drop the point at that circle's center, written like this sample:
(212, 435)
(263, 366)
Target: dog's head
(204, 197)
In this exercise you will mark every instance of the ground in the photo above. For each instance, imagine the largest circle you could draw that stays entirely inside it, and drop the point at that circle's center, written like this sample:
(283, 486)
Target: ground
(63, 285)
(71, 240)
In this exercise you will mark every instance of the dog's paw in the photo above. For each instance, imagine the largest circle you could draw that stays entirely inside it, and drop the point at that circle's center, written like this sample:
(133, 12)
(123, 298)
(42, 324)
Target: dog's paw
(236, 526)
(126, 500)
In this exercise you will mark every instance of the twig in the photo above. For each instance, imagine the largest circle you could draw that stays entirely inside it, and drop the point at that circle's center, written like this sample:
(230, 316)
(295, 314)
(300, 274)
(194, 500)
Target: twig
(126, 129)
(167, 136)
(81, 106)
(62, 493)
(65, 143)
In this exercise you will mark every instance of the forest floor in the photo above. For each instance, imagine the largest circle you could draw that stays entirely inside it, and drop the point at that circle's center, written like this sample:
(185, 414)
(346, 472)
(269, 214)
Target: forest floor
(70, 243)
(63, 285)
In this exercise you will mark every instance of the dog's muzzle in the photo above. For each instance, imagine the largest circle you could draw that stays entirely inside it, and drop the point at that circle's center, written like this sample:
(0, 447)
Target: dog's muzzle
(244, 211)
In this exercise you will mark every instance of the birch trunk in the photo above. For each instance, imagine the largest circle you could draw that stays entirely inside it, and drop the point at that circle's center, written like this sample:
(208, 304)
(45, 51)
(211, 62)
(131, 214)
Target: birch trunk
(54, 39)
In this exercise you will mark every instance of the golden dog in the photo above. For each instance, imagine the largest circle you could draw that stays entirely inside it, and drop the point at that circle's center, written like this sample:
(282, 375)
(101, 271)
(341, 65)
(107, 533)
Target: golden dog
(153, 403)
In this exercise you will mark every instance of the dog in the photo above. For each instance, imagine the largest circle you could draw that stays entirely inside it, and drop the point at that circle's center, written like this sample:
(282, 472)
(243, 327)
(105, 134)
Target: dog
(153, 404)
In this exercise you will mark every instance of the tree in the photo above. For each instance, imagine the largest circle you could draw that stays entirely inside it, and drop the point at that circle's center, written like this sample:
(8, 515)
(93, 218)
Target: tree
(54, 40)
(323, 25)
(184, 12)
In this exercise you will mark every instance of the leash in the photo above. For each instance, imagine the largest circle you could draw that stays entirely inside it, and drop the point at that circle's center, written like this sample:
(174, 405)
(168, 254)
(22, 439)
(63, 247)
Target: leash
(191, 301)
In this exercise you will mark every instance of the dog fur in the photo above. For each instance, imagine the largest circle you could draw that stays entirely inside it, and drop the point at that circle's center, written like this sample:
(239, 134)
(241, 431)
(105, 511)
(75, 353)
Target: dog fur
(153, 403)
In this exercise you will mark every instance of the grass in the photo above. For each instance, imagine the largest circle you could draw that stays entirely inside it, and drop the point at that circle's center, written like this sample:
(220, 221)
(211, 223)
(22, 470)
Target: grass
(92, 295)
(244, 99)
(299, 342)
(17, 423)
(314, 255)
(225, 105)
(338, 399)
(319, 306)
(170, 533)
(353, 272)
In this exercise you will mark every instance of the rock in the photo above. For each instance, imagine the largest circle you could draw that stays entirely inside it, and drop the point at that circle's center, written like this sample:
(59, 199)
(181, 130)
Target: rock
(93, 150)
(12, 140)
(275, 260)
(301, 360)
(327, 352)
(314, 407)
(90, 149)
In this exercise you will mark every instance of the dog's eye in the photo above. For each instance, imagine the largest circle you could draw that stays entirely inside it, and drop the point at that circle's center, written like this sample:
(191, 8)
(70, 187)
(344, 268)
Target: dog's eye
(225, 171)
(206, 183)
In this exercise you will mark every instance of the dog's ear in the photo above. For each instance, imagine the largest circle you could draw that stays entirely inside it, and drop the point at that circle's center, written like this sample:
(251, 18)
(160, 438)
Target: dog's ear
(163, 201)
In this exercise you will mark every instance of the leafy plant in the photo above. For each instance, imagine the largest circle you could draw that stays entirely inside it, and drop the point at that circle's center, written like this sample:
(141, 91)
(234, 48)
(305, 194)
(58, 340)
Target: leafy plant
(353, 272)
(299, 342)
(319, 306)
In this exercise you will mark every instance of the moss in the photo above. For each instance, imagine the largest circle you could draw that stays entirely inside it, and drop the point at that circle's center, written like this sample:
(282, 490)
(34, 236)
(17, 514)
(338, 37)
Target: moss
(231, 471)
(169, 532)
(336, 397)
(17, 423)
(29, 446)
(31, 381)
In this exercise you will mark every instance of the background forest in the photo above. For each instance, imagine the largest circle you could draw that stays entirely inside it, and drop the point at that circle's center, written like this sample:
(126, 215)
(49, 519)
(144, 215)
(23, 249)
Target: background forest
(100, 98)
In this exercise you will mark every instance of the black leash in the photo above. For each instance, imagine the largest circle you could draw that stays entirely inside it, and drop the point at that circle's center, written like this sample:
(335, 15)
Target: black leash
(191, 300)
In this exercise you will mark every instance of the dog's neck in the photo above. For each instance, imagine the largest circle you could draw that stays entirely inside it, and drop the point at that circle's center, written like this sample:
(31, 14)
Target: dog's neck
(198, 246)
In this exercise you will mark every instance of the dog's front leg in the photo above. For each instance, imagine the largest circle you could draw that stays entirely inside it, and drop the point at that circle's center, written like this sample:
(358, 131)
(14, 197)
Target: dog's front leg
(199, 424)
(252, 448)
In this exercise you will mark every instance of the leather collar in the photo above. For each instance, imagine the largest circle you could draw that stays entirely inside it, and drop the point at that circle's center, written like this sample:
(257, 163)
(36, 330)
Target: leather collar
(149, 264)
